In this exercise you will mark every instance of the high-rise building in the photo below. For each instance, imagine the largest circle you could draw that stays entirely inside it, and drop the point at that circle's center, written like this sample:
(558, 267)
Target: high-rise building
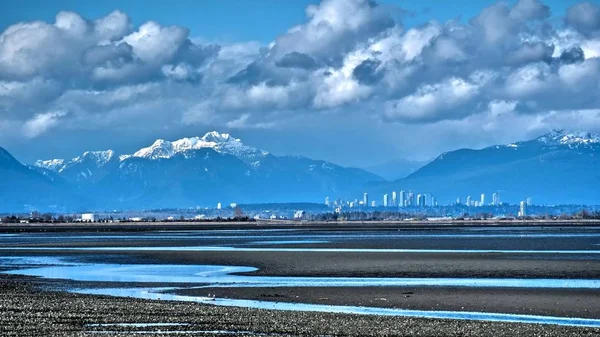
(421, 200)
(394, 199)
(373, 204)
(218, 205)
(482, 201)
(327, 201)
(523, 209)
(529, 201)
(366, 199)
(433, 201)
(458, 201)
(469, 201)
(495, 199)
(411, 199)
(385, 200)
(402, 199)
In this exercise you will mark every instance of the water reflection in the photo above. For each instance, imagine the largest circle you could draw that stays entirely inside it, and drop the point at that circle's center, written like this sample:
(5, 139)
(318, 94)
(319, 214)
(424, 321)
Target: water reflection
(227, 276)
(155, 293)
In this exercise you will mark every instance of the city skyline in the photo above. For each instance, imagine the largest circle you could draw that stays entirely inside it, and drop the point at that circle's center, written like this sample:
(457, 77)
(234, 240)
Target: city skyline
(410, 199)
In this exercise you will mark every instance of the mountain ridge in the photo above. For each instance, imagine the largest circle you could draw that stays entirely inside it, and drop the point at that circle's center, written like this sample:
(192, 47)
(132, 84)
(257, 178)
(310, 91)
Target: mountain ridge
(556, 167)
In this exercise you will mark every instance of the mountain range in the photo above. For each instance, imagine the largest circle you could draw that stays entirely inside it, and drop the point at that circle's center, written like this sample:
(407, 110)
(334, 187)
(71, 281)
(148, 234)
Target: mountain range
(197, 171)
(558, 167)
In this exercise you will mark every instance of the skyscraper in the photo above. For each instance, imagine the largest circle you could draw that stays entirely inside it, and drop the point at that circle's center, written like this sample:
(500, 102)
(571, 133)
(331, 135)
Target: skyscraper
(373, 204)
(385, 200)
(469, 201)
(523, 209)
(482, 201)
(495, 199)
(433, 201)
(394, 199)
(529, 201)
(458, 201)
(402, 199)
(411, 199)
(327, 201)
(366, 199)
(421, 200)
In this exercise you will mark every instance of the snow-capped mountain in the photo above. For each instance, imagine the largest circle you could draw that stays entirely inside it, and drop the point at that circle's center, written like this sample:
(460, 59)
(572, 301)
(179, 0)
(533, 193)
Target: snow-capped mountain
(51, 164)
(202, 170)
(162, 149)
(97, 158)
(570, 138)
(558, 167)
(220, 142)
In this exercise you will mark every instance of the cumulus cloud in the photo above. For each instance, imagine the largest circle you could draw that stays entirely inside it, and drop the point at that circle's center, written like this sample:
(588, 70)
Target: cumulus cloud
(585, 17)
(508, 63)
(41, 123)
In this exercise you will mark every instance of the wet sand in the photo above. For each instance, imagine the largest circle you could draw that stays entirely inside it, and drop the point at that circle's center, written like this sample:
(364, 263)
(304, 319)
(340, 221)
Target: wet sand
(580, 303)
(27, 311)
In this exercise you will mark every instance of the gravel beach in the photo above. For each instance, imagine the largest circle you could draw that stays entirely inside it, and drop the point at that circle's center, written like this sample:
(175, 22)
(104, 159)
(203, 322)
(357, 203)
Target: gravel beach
(26, 310)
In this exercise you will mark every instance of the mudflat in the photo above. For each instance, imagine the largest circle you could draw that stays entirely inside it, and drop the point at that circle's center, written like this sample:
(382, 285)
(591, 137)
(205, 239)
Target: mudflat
(535, 253)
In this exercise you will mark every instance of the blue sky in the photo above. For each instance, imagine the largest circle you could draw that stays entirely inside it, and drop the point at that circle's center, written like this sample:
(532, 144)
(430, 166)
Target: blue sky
(234, 20)
(352, 79)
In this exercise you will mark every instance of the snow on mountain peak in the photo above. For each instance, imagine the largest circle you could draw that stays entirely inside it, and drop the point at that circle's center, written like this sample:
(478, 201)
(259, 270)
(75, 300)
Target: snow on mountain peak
(100, 158)
(220, 142)
(51, 164)
(566, 137)
(216, 137)
(159, 149)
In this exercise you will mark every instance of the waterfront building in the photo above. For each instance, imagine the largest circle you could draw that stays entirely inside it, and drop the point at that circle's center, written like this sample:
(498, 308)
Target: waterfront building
(469, 201)
(402, 199)
(523, 209)
(482, 201)
(327, 201)
(385, 200)
(373, 203)
(529, 201)
(88, 217)
(219, 205)
(394, 199)
(366, 199)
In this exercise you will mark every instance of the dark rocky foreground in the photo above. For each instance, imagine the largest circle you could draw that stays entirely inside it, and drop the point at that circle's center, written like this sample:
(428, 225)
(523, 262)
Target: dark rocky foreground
(27, 310)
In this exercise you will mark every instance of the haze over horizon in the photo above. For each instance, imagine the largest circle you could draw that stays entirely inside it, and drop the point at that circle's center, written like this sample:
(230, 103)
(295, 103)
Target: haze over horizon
(332, 80)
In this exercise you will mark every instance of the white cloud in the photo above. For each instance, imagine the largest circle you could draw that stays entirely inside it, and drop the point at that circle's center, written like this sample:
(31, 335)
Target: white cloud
(41, 123)
(431, 101)
(508, 64)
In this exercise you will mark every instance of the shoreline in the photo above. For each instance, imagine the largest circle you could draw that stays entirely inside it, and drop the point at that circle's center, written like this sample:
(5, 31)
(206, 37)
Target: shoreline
(298, 225)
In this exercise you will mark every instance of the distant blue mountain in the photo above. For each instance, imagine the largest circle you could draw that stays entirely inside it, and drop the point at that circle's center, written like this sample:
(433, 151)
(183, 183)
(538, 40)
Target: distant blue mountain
(396, 168)
(23, 188)
(557, 168)
(201, 171)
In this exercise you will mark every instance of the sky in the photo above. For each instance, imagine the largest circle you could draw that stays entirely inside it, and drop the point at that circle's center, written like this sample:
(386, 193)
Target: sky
(356, 82)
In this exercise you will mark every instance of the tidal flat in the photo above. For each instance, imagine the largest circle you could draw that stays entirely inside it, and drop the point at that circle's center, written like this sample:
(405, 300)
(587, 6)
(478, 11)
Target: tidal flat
(386, 281)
